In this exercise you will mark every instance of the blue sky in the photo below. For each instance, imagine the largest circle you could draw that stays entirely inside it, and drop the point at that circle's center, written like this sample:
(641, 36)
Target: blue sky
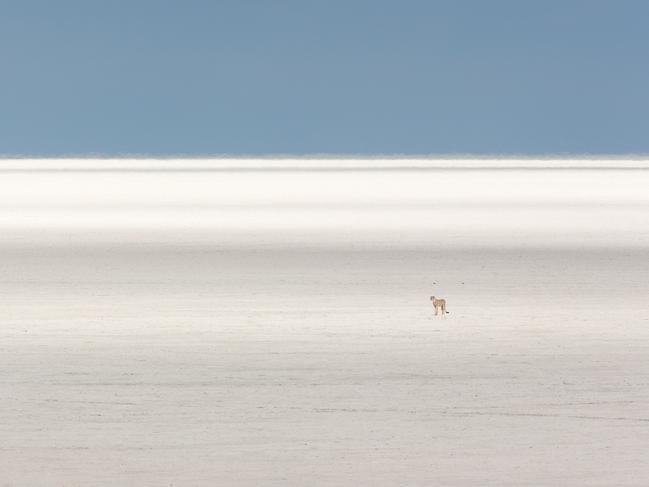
(338, 76)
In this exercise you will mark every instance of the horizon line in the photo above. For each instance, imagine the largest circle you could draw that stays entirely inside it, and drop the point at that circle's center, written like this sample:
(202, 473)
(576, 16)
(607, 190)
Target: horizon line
(562, 156)
(172, 164)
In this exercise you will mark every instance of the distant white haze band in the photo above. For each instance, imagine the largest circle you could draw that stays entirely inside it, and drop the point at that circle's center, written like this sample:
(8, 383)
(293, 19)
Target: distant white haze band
(328, 202)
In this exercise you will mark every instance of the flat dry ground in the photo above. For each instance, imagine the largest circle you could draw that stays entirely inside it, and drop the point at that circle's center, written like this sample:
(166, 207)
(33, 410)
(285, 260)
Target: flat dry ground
(152, 366)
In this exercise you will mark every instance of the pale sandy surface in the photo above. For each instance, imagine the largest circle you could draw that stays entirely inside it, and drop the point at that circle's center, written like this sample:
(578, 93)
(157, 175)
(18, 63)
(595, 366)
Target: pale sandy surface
(156, 366)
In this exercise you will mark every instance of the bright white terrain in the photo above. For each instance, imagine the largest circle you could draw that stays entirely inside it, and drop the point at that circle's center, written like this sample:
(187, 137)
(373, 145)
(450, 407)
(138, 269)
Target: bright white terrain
(272, 327)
